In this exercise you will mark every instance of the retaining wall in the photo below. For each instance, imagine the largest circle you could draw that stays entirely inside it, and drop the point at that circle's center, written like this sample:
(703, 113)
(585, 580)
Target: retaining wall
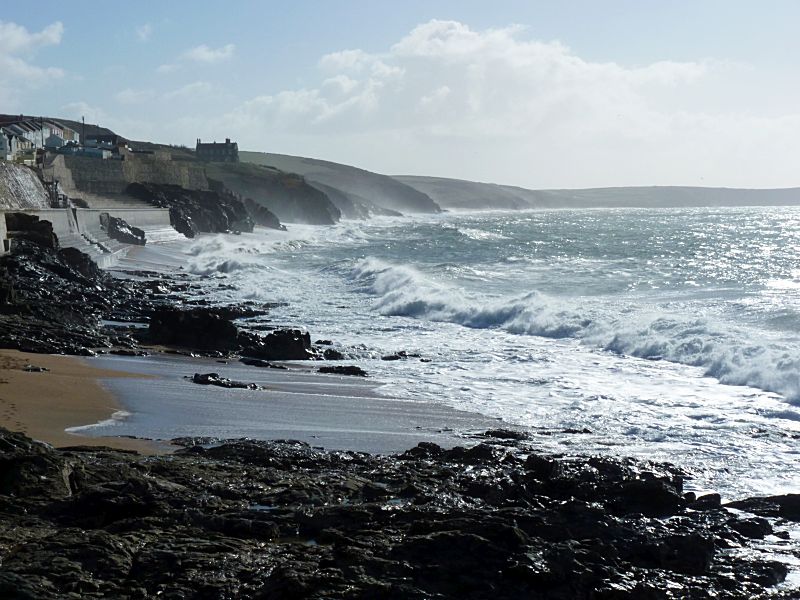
(111, 177)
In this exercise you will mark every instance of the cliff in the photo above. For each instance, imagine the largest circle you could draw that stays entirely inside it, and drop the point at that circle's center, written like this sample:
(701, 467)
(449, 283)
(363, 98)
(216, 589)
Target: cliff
(287, 195)
(364, 189)
(21, 188)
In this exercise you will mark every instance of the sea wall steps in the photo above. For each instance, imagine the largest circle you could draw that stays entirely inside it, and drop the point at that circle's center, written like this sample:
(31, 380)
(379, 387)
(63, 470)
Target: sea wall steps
(80, 228)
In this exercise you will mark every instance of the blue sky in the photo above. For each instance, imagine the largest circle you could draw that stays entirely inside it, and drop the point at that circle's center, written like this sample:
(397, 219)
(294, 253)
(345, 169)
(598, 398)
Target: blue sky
(539, 94)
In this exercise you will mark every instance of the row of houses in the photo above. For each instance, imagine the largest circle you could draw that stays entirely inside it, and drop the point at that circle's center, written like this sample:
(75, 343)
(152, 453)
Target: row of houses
(21, 137)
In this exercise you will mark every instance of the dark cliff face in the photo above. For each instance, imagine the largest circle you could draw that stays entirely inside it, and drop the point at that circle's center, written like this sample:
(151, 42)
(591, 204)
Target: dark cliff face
(352, 205)
(287, 195)
(193, 211)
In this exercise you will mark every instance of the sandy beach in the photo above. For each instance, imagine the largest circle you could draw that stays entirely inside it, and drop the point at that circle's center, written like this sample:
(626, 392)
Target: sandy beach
(43, 404)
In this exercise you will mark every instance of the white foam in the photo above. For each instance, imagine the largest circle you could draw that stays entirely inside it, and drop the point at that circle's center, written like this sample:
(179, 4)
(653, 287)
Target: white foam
(734, 357)
(116, 418)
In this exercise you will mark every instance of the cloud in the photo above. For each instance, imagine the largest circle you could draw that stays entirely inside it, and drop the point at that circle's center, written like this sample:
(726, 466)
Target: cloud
(167, 68)
(15, 39)
(17, 47)
(497, 105)
(131, 96)
(196, 89)
(205, 54)
(144, 32)
(81, 109)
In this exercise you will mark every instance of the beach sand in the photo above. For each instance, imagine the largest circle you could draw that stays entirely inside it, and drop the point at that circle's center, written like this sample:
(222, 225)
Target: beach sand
(43, 404)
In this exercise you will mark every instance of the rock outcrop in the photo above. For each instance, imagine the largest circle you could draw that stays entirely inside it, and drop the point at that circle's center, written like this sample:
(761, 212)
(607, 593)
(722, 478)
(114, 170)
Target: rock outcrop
(193, 211)
(280, 520)
(51, 300)
(118, 229)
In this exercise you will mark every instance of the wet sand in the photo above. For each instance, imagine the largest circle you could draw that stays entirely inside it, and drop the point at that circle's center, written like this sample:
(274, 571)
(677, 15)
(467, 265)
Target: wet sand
(42, 405)
(330, 411)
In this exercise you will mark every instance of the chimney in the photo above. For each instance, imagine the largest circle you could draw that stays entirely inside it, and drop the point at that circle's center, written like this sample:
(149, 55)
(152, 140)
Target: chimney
(227, 140)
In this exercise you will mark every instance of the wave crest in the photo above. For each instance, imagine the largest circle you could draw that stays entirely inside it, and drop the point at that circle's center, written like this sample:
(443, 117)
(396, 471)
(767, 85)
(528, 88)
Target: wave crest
(722, 353)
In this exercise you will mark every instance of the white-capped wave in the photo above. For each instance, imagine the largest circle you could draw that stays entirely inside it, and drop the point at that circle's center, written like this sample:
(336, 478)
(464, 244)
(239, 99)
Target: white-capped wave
(481, 234)
(733, 356)
(117, 417)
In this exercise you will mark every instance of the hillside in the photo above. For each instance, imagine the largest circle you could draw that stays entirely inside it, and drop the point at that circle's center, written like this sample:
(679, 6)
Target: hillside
(287, 195)
(466, 195)
(363, 191)
(469, 195)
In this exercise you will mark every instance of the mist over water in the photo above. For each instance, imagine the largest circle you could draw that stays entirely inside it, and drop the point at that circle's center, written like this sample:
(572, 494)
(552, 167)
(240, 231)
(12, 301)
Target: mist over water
(671, 334)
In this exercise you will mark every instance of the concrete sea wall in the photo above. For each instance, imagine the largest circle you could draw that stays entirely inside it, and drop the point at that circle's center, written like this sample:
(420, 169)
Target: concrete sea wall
(80, 228)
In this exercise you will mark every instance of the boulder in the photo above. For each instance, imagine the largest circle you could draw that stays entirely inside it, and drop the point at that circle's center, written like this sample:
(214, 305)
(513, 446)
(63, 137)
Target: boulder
(118, 229)
(281, 344)
(215, 379)
(198, 328)
(341, 370)
(24, 226)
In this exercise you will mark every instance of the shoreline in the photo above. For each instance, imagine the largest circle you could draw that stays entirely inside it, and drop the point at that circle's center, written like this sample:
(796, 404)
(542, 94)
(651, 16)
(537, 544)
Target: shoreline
(43, 405)
(296, 402)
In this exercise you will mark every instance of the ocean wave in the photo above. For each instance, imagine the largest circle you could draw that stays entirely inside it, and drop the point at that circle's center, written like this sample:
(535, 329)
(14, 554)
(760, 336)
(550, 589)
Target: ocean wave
(732, 356)
(480, 234)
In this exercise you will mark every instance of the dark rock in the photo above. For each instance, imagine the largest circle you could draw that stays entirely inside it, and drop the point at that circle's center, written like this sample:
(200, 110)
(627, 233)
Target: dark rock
(341, 370)
(506, 434)
(247, 519)
(262, 215)
(706, 502)
(281, 344)
(402, 355)
(118, 229)
(331, 354)
(197, 328)
(24, 226)
(650, 497)
(257, 362)
(755, 528)
(193, 211)
(34, 369)
(215, 379)
(126, 352)
(786, 506)
(52, 300)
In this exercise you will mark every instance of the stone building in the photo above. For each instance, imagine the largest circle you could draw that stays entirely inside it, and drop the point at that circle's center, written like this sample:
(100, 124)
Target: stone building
(218, 152)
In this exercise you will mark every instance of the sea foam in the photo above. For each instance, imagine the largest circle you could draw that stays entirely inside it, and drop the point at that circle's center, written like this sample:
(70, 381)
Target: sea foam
(733, 356)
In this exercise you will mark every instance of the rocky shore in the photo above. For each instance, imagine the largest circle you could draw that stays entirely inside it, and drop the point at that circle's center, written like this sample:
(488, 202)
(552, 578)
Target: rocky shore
(247, 519)
(252, 519)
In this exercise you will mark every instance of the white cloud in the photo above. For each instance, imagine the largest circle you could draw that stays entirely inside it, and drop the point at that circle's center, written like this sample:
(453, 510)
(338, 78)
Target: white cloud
(82, 109)
(496, 105)
(17, 47)
(15, 39)
(205, 54)
(167, 68)
(131, 96)
(144, 32)
(191, 90)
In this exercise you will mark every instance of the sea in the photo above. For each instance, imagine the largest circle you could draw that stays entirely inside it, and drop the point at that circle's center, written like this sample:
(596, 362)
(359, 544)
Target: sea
(664, 334)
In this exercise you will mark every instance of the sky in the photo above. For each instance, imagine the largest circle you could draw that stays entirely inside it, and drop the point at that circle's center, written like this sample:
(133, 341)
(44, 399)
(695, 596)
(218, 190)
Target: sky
(567, 94)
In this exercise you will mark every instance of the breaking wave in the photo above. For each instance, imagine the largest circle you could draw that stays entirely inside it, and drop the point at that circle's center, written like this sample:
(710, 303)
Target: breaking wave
(734, 357)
